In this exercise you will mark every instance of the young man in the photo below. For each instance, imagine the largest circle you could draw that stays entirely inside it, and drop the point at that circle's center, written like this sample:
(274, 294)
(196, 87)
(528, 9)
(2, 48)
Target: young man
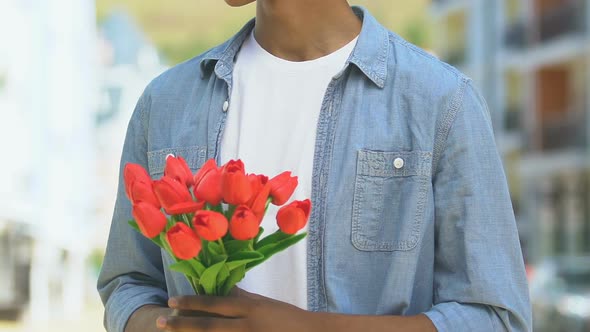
(412, 227)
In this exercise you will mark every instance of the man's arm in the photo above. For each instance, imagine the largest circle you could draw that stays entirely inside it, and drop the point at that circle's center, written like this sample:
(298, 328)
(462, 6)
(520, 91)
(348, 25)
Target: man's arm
(247, 312)
(479, 278)
(132, 275)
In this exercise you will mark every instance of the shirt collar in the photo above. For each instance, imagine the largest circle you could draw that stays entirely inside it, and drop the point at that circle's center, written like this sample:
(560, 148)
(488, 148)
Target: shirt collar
(370, 54)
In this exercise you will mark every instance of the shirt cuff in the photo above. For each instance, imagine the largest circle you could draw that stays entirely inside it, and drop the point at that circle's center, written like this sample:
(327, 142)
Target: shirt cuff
(452, 316)
(123, 303)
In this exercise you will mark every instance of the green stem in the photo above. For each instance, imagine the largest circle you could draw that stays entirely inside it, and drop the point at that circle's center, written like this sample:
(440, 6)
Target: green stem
(195, 285)
(186, 220)
(170, 222)
(220, 241)
(268, 201)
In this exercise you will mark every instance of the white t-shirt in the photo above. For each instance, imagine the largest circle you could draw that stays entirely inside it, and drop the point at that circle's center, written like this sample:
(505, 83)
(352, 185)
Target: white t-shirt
(271, 125)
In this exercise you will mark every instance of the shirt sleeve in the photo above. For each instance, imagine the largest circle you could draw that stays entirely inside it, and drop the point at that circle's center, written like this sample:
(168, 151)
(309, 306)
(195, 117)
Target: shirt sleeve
(479, 277)
(132, 274)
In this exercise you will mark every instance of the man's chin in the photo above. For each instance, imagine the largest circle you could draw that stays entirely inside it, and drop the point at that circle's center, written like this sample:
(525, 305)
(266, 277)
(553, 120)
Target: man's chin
(238, 3)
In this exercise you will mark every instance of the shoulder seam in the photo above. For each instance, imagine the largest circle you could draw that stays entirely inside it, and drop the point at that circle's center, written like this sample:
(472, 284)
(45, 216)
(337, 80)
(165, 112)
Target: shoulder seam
(449, 117)
(418, 51)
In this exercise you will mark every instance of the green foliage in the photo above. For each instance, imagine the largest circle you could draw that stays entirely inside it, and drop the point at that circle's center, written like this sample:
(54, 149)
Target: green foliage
(208, 279)
(272, 248)
(217, 269)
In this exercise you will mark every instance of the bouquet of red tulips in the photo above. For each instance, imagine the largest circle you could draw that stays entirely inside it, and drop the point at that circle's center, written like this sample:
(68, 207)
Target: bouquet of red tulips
(209, 222)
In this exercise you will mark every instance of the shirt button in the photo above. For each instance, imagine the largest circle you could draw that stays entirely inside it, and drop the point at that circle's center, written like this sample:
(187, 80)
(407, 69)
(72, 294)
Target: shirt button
(225, 106)
(398, 163)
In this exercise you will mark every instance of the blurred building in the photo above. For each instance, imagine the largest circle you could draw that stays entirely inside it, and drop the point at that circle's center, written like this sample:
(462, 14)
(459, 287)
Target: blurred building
(67, 90)
(46, 102)
(531, 59)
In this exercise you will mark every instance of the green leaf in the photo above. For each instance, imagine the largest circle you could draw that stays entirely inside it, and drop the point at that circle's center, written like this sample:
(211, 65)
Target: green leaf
(235, 276)
(217, 258)
(163, 243)
(270, 249)
(214, 248)
(134, 225)
(185, 268)
(260, 231)
(273, 238)
(195, 285)
(234, 246)
(243, 258)
(222, 277)
(197, 266)
(209, 278)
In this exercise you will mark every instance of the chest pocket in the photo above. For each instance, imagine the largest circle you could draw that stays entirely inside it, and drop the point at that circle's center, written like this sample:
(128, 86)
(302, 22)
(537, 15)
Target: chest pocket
(389, 199)
(194, 156)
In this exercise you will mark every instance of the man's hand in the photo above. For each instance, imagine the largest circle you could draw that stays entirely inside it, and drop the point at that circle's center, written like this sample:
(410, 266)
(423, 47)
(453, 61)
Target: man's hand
(240, 312)
(247, 312)
(143, 318)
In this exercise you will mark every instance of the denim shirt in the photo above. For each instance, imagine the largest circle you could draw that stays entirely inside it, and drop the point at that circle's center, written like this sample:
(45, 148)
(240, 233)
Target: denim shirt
(411, 208)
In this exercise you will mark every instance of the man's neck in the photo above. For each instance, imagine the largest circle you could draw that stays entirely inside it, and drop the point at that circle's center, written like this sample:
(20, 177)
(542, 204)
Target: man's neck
(304, 29)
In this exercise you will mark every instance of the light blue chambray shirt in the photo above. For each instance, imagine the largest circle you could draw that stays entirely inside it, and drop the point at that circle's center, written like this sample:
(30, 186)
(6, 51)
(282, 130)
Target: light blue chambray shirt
(411, 209)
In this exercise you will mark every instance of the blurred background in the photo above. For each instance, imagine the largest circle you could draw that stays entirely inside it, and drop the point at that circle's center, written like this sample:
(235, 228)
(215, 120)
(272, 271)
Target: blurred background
(71, 72)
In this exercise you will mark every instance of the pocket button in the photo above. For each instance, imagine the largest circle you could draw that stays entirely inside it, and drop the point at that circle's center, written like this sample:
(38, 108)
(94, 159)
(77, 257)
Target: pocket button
(398, 163)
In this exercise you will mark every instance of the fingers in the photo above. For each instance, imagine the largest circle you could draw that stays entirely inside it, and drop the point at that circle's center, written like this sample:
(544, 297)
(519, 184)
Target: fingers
(199, 324)
(230, 306)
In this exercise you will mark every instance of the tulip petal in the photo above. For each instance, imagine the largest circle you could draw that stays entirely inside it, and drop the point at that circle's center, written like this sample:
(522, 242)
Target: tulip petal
(293, 217)
(150, 220)
(282, 187)
(171, 192)
(183, 241)
(177, 169)
(184, 207)
(244, 224)
(134, 172)
(235, 185)
(207, 166)
(208, 189)
(210, 225)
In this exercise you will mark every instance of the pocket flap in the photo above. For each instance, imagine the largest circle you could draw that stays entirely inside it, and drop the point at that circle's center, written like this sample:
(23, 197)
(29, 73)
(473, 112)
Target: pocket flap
(392, 164)
(194, 156)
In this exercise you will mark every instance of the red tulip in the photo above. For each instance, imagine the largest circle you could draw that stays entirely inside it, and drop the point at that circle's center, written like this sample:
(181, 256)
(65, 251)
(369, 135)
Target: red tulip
(261, 188)
(282, 187)
(177, 168)
(175, 197)
(141, 191)
(151, 220)
(208, 183)
(184, 242)
(244, 224)
(257, 182)
(235, 186)
(293, 217)
(133, 172)
(207, 166)
(210, 225)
